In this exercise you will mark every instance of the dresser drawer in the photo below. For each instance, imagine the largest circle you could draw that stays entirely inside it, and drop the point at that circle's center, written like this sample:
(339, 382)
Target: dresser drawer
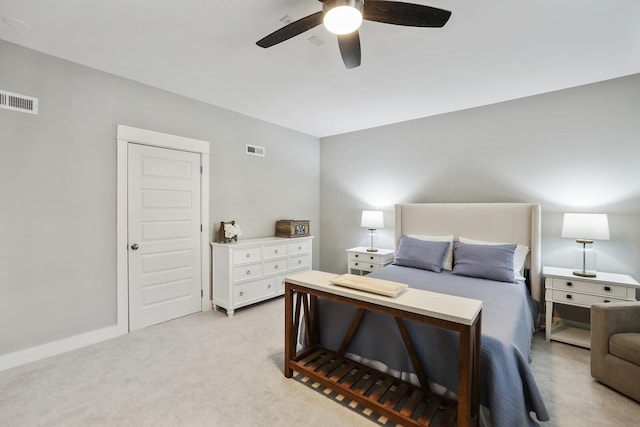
(275, 266)
(371, 258)
(253, 291)
(244, 255)
(246, 272)
(364, 266)
(581, 299)
(299, 247)
(298, 262)
(590, 287)
(274, 251)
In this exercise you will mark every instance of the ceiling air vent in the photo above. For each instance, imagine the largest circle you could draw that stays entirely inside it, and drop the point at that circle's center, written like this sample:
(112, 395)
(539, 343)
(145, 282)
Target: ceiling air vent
(255, 150)
(17, 102)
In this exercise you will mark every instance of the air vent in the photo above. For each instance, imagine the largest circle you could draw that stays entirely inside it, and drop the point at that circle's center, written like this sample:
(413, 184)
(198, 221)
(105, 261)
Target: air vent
(17, 102)
(255, 150)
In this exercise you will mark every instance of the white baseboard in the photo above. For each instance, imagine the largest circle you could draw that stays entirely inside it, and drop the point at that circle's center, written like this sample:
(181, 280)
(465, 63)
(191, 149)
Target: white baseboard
(22, 357)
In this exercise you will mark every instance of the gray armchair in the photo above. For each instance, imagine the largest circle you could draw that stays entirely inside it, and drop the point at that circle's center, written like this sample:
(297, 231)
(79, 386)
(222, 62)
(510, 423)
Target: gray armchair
(615, 346)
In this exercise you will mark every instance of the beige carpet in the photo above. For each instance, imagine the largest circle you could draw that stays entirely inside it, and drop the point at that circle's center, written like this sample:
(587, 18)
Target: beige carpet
(207, 369)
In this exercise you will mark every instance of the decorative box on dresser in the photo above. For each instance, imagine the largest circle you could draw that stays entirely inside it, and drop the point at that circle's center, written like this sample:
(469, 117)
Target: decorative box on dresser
(253, 270)
(563, 287)
(361, 261)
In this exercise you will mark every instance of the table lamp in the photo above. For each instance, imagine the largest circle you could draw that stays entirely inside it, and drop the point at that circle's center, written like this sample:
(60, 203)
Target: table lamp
(585, 228)
(372, 220)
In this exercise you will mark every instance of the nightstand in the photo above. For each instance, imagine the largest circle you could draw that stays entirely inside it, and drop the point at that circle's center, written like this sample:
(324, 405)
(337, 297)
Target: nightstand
(362, 262)
(562, 287)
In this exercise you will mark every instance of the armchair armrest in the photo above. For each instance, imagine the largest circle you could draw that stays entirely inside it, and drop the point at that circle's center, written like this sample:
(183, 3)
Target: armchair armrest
(606, 320)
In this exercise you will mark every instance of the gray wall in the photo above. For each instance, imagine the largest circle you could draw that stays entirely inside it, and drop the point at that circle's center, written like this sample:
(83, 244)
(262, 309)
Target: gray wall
(575, 150)
(58, 187)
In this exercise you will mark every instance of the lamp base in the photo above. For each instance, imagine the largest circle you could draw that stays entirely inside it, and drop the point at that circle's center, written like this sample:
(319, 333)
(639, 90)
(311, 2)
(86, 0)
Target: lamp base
(584, 273)
(372, 250)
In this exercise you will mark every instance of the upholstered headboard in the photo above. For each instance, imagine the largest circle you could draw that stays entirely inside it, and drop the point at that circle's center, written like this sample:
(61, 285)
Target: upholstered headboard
(498, 222)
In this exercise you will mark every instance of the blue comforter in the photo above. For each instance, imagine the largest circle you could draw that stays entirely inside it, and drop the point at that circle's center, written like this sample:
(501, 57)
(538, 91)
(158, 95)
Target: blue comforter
(507, 386)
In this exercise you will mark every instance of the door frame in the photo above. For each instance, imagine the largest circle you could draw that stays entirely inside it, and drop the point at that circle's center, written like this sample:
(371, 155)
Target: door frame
(129, 135)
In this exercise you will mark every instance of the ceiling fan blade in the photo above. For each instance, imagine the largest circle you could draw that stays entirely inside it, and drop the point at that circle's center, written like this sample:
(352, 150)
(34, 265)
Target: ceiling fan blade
(409, 14)
(350, 49)
(291, 30)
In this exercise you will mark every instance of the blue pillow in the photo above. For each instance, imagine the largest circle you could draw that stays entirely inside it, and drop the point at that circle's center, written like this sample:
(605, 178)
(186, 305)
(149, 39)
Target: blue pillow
(423, 254)
(493, 262)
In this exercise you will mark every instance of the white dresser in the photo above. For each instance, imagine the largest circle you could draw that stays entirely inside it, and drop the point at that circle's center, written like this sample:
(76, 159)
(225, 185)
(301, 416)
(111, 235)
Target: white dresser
(253, 270)
(562, 287)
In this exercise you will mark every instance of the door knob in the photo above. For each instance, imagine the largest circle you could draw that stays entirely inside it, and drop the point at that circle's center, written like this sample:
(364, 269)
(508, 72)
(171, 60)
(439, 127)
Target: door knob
(134, 246)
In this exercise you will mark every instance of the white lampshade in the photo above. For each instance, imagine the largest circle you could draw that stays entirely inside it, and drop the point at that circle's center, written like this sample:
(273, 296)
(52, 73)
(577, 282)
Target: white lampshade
(342, 16)
(585, 226)
(372, 219)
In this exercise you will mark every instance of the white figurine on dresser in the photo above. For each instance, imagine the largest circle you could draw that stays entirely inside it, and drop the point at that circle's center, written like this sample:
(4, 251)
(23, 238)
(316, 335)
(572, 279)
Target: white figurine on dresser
(253, 270)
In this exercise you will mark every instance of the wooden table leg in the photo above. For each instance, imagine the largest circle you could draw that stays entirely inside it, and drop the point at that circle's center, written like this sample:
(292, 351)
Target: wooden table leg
(288, 329)
(465, 364)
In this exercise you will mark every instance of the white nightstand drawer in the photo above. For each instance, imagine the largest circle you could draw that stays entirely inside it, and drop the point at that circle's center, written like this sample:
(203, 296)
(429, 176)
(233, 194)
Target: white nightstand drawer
(241, 256)
(253, 291)
(591, 287)
(370, 257)
(276, 266)
(246, 272)
(299, 247)
(576, 298)
(364, 266)
(298, 262)
(274, 251)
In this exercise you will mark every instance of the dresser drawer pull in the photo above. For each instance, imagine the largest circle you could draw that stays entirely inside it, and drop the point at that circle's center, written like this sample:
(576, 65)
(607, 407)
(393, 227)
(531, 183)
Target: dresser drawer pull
(248, 272)
(268, 286)
(569, 284)
(248, 255)
(299, 248)
(275, 266)
(569, 296)
(276, 251)
(607, 289)
(299, 261)
(241, 293)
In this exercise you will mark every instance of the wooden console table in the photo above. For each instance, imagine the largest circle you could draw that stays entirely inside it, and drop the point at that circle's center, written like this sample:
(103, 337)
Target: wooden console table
(403, 402)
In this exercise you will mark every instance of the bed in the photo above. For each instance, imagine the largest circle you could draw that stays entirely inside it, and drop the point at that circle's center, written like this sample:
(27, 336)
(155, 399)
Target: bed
(508, 391)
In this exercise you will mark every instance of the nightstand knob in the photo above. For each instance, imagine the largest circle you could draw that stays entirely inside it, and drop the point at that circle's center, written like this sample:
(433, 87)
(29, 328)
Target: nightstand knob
(356, 263)
(357, 255)
(371, 258)
(607, 289)
(569, 284)
(569, 296)
(371, 266)
(607, 300)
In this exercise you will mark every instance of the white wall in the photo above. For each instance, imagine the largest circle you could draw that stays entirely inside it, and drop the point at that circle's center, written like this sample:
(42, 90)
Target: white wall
(58, 187)
(572, 150)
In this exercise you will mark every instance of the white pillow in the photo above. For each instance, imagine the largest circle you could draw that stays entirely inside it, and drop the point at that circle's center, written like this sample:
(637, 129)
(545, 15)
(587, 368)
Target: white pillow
(519, 256)
(448, 263)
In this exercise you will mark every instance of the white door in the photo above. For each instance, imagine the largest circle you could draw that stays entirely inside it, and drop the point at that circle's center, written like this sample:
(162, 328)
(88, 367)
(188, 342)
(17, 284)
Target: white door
(164, 234)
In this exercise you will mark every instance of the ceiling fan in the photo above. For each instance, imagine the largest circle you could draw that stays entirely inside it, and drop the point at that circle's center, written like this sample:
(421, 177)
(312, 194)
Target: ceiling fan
(343, 18)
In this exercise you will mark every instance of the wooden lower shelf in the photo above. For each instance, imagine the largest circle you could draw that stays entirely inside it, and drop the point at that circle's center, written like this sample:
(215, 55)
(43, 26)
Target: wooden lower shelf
(398, 400)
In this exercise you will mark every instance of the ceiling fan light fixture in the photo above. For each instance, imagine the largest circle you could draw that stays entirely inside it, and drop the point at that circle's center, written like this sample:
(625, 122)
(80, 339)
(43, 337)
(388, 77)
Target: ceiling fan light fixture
(342, 16)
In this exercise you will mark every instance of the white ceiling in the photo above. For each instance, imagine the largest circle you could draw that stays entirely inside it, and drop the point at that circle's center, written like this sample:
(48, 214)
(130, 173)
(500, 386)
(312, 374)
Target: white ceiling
(489, 51)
